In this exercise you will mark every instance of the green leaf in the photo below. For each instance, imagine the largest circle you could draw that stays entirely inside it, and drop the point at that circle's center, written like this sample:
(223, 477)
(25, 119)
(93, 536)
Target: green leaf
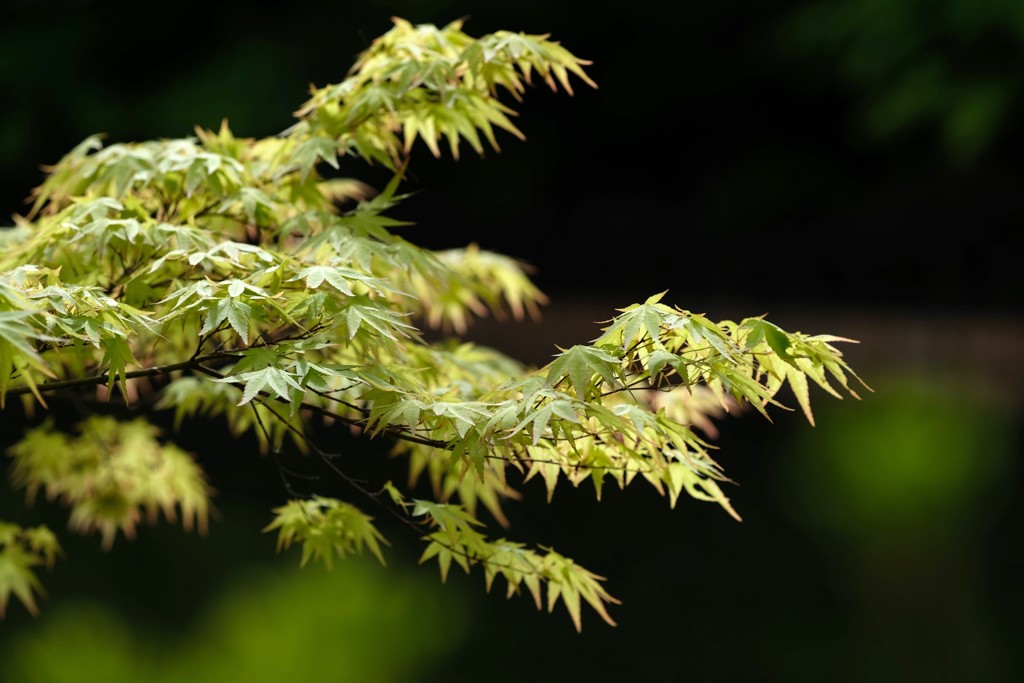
(580, 364)
(381, 320)
(308, 153)
(659, 358)
(326, 527)
(635, 322)
(276, 379)
(777, 339)
(18, 579)
(238, 314)
(117, 355)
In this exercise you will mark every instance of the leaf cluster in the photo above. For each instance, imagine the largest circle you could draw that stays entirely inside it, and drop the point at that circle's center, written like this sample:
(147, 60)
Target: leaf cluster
(21, 551)
(248, 279)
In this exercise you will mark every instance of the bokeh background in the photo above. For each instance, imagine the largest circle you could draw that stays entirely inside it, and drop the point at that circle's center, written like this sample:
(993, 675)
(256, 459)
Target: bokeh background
(845, 166)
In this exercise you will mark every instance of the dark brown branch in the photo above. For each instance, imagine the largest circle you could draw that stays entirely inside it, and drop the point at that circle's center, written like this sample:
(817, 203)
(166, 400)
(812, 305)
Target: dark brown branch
(154, 371)
(402, 516)
(327, 459)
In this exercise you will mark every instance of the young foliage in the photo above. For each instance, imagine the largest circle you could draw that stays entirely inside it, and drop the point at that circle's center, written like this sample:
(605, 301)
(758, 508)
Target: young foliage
(21, 550)
(248, 280)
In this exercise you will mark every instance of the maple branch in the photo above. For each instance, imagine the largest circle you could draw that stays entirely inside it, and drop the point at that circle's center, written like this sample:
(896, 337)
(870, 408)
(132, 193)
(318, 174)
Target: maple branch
(327, 459)
(153, 371)
(406, 519)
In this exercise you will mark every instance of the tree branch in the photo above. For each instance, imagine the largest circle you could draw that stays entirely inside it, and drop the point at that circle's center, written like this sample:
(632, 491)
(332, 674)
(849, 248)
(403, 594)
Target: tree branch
(191, 364)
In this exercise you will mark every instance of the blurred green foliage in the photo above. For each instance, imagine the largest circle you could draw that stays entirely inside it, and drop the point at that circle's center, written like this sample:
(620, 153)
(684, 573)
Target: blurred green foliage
(949, 67)
(903, 491)
(355, 623)
(914, 461)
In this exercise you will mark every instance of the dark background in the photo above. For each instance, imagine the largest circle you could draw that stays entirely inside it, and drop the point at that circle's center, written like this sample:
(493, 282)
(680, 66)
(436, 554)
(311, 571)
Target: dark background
(845, 166)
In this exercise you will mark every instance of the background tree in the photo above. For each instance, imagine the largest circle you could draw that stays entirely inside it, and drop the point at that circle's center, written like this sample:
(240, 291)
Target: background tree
(239, 278)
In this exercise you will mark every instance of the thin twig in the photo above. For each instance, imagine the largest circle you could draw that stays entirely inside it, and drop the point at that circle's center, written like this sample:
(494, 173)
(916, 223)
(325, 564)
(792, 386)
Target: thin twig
(153, 371)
